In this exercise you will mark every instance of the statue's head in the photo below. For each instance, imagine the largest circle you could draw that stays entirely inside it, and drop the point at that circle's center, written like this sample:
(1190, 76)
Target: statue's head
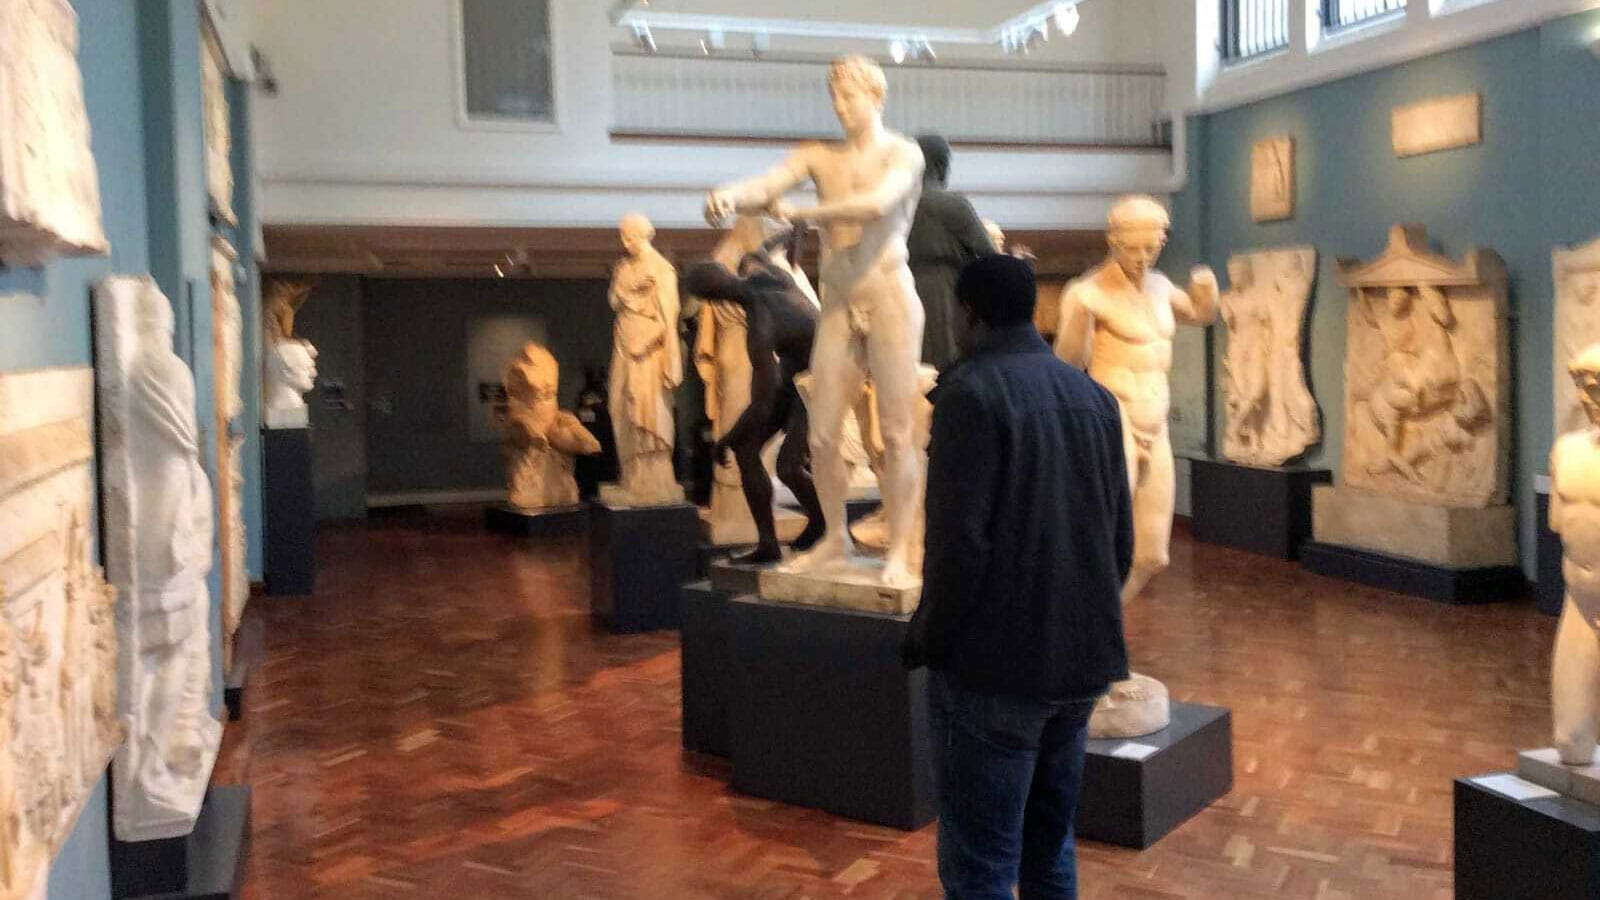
(996, 236)
(636, 232)
(1136, 230)
(294, 364)
(1585, 369)
(858, 88)
(1400, 300)
(153, 313)
(533, 377)
(935, 159)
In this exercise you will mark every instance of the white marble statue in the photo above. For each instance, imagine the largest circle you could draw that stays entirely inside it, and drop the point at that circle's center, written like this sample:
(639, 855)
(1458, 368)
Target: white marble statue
(868, 186)
(158, 537)
(58, 724)
(1117, 323)
(1575, 515)
(1427, 386)
(49, 185)
(1271, 415)
(1577, 324)
(646, 369)
(541, 438)
(291, 372)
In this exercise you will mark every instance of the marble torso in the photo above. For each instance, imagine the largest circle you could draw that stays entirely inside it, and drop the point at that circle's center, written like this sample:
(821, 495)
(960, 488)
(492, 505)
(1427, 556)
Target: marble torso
(1575, 479)
(1132, 349)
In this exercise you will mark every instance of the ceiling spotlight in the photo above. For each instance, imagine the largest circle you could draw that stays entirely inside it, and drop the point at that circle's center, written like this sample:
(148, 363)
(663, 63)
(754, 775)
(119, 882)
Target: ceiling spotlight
(1066, 16)
(714, 41)
(924, 51)
(897, 51)
(643, 37)
(760, 42)
(499, 271)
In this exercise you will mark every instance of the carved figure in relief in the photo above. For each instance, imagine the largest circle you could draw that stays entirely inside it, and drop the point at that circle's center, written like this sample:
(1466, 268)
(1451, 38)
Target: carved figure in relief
(872, 321)
(646, 366)
(1575, 515)
(1117, 323)
(541, 438)
(780, 329)
(1577, 324)
(1271, 416)
(177, 738)
(11, 833)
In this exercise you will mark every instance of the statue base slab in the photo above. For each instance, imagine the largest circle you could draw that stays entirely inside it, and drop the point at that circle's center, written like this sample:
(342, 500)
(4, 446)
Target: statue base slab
(1545, 768)
(733, 578)
(1492, 584)
(639, 560)
(616, 495)
(207, 864)
(855, 584)
(1255, 509)
(792, 740)
(708, 674)
(1137, 791)
(1551, 590)
(1516, 844)
(741, 531)
(1449, 536)
(543, 522)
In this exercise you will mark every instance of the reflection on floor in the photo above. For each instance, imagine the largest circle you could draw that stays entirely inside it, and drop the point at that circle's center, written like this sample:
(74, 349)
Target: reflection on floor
(441, 720)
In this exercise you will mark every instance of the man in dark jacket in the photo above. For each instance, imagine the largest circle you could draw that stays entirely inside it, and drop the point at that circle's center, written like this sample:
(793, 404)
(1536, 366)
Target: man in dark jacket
(946, 234)
(1029, 538)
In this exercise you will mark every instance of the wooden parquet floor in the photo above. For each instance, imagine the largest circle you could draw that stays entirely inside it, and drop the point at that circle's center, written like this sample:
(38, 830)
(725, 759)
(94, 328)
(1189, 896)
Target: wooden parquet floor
(441, 720)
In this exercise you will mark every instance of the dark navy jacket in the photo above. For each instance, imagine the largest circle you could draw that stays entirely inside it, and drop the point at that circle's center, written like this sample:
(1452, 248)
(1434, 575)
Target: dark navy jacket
(1030, 526)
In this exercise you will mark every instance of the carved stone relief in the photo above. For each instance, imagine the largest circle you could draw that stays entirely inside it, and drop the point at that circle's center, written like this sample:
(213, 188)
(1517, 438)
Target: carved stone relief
(1272, 179)
(227, 324)
(58, 641)
(49, 186)
(158, 511)
(218, 126)
(1427, 375)
(1577, 324)
(1271, 415)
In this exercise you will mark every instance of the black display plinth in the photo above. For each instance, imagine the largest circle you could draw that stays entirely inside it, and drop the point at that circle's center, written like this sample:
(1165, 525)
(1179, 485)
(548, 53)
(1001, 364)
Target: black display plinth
(1551, 591)
(1539, 849)
(824, 716)
(248, 646)
(208, 864)
(290, 514)
(1261, 510)
(1410, 576)
(860, 509)
(1133, 800)
(708, 674)
(548, 522)
(639, 559)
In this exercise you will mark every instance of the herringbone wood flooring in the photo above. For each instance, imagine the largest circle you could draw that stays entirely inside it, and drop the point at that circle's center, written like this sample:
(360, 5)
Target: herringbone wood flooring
(442, 720)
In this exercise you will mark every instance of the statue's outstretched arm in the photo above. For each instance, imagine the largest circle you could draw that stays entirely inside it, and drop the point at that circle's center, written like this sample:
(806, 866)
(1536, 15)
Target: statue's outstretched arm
(1198, 305)
(754, 195)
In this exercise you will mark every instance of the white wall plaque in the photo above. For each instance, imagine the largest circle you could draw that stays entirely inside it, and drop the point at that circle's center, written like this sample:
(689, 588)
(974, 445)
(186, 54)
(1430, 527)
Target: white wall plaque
(1443, 123)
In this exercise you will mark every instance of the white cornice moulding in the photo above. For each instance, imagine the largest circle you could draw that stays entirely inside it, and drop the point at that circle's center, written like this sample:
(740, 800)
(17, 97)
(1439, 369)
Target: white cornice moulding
(1339, 57)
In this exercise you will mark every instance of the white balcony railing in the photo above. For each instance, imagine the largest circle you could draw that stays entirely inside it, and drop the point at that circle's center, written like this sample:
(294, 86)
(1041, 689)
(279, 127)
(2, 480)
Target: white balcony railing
(682, 95)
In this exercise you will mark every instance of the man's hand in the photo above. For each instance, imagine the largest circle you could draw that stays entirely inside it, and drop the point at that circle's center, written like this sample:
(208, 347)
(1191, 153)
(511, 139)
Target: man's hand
(720, 207)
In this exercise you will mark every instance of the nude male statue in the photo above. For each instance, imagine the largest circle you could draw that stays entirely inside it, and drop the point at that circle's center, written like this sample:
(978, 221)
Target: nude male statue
(871, 324)
(1575, 515)
(1117, 323)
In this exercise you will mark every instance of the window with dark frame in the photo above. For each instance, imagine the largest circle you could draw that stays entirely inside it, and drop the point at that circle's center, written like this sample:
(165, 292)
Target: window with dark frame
(1340, 14)
(508, 75)
(1252, 28)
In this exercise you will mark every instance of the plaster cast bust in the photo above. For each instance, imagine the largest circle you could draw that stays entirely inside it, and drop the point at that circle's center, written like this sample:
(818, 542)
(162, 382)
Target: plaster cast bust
(291, 372)
(871, 325)
(1575, 515)
(541, 438)
(646, 368)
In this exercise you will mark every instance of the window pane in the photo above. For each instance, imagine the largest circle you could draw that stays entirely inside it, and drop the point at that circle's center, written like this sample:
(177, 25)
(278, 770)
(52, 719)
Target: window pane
(1340, 13)
(1253, 27)
(506, 47)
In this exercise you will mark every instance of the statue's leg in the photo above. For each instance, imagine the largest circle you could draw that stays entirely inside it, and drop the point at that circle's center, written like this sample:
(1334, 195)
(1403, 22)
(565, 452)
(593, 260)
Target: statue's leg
(893, 349)
(837, 374)
(794, 469)
(1575, 687)
(1154, 496)
(758, 490)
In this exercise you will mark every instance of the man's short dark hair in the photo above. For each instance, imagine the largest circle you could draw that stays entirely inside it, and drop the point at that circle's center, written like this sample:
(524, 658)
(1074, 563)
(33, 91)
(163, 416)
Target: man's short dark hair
(1000, 290)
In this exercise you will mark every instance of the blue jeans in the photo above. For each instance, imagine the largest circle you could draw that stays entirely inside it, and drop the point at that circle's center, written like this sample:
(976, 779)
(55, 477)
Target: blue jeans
(1008, 773)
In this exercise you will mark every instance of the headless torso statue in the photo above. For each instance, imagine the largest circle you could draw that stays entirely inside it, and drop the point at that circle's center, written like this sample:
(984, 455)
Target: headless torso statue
(541, 438)
(872, 321)
(1575, 515)
(780, 329)
(646, 368)
(1117, 323)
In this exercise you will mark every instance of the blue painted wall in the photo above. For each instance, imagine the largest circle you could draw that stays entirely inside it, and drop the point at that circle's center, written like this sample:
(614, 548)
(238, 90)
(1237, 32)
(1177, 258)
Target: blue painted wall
(1533, 183)
(151, 171)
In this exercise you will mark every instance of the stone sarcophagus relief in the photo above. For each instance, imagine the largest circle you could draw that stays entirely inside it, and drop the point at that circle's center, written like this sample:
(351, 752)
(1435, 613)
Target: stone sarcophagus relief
(1271, 415)
(227, 326)
(49, 187)
(1427, 375)
(1577, 325)
(158, 537)
(218, 126)
(58, 639)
